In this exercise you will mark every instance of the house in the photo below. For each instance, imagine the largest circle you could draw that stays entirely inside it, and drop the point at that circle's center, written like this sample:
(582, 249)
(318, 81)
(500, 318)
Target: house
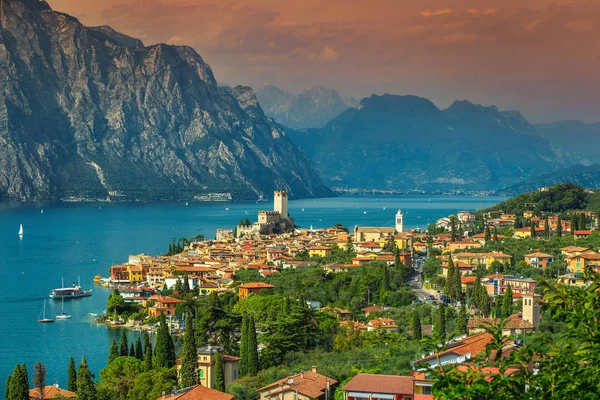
(496, 284)
(369, 247)
(579, 234)
(162, 305)
(306, 385)
(578, 263)
(253, 288)
(51, 392)
(135, 273)
(573, 280)
(467, 282)
(372, 233)
(197, 392)
(382, 324)
(339, 312)
(463, 245)
(207, 356)
(337, 268)
(572, 251)
(539, 260)
(515, 325)
(119, 274)
(319, 251)
(370, 309)
(372, 386)
(207, 288)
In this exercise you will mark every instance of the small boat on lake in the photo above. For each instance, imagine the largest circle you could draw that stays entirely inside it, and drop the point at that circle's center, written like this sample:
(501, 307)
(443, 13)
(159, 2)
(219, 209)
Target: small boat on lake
(42, 318)
(63, 314)
(73, 292)
(21, 230)
(97, 278)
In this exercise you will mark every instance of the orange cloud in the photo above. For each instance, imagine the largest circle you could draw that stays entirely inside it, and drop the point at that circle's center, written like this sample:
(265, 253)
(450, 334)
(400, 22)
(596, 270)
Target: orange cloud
(434, 13)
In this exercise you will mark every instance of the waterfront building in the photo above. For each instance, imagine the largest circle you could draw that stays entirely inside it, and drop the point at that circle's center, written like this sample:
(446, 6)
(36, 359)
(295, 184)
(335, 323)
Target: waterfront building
(306, 385)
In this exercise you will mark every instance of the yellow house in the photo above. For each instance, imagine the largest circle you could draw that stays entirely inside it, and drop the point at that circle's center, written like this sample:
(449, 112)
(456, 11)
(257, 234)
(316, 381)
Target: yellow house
(207, 356)
(578, 263)
(319, 251)
(527, 214)
(207, 288)
(486, 259)
(522, 233)
(573, 280)
(420, 247)
(403, 241)
(136, 273)
(463, 245)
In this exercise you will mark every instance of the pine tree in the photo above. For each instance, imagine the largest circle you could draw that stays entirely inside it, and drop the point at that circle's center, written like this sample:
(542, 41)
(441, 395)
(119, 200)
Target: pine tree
(243, 364)
(495, 235)
(113, 352)
(219, 373)
(189, 355)
(252, 349)
(440, 328)
(488, 235)
(457, 284)
(507, 303)
(416, 327)
(72, 372)
(462, 320)
(86, 388)
(124, 345)
(450, 287)
(19, 384)
(147, 343)
(559, 228)
(148, 359)
(39, 377)
(7, 388)
(132, 350)
(139, 351)
(165, 350)
(485, 305)
(532, 230)
(186, 284)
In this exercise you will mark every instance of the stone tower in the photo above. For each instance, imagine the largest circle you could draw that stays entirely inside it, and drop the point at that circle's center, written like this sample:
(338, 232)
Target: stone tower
(399, 221)
(531, 308)
(281, 203)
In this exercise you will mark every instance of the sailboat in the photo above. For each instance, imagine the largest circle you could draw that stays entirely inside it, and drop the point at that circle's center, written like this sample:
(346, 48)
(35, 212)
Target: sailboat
(63, 315)
(21, 230)
(187, 204)
(42, 318)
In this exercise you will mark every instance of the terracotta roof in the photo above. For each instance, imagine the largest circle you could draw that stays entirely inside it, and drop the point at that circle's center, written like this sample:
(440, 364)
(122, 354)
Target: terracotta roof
(376, 229)
(539, 255)
(513, 322)
(387, 384)
(51, 392)
(256, 285)
(309, 383)
(198, 393)
(467, 280)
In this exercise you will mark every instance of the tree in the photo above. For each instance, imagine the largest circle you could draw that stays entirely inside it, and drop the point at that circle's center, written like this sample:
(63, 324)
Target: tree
(453, 227)
(186, 284)
(39, 377)
(165, 349)
(507, 303)
(440, 327)
(219, 373)
(147, 343)
(86, 388)
(495, 235)
(546, 227)
(450, 287)
(189, 355)
(132, 350)
(72, 373)
(416, 327)
(457, 284)
(243, 365)
(113, 352)
(19, 384)
(462, 320)
(559, 228)
(349, 247)
(118, 378)
(488, 235)
(124, 346)
(532, 230)
(148, 359)
(252, 349)
(7, 388)
(390, 244)
(485, 304)
(139, 351)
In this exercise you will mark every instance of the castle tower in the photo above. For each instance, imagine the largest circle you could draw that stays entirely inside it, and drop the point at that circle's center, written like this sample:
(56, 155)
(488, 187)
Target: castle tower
(531, 308)
(399, 221)
(281, 203)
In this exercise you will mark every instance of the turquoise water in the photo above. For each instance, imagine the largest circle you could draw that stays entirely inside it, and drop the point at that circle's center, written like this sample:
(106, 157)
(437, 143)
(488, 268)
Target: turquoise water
(71, 240)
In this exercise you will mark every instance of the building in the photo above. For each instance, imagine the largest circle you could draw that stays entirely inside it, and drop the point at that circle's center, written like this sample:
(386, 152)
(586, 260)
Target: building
(372, 386)
(574, 280)
(162, 305)
(319, 251)
(579, 263)
(223, 234)
(253, 288)
(515, 325)
(496, 284)
(531, 308)
(539, 260)
(465, 217)
(276, 221)
(399, 222)
(307, 385)
(207, 356)
(198, 392)
(579, 234)
(281, 204)
(382, 324)
(51, 392)
(372, 233)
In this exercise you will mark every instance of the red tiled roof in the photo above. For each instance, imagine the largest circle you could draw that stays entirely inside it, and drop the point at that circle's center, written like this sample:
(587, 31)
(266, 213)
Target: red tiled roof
(256, 285)
(199, 393)
(309, 383)
(388, 384)
(51, 392)
(581, 232)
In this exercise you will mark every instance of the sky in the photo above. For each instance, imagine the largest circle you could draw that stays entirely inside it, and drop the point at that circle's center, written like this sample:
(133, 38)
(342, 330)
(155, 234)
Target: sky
(538, 56)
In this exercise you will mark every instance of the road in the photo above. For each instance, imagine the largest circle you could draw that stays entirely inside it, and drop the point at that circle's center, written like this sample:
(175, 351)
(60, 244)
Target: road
(415, 283)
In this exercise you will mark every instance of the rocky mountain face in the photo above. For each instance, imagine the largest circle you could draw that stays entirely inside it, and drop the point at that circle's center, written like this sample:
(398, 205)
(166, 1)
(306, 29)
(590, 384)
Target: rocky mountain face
(573, 140)
(311, 109)
(407, 143)
(85, 112)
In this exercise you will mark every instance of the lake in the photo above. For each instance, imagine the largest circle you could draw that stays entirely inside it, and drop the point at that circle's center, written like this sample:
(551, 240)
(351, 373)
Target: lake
(72, 240)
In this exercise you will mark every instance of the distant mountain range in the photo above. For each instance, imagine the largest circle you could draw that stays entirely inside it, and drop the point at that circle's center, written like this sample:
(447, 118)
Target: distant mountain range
(573, 140)
(406, 142)
(90, 112)
(311, 109)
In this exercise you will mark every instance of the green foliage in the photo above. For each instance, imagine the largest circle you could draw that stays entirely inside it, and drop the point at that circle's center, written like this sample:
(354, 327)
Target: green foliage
(148, 359)
(559, 198)
(152, 384)
(440, 323)
(19, 384)
(243, 365)
(165, 349)
(189, 355)
(219, 373)
(432, 267)
(139, 351)
(216, 324)
(117, 379)
(86, 388)
(252, 348)
(39, 377)
(462, 320)
(72, 373)
(124, 346)
(416, 327)
(507, 303)
(132, 350)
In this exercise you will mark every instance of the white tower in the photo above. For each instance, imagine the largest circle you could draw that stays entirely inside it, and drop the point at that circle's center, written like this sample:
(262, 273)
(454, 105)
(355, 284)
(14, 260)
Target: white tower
(399, 221)
(531, 308)
(281, 203)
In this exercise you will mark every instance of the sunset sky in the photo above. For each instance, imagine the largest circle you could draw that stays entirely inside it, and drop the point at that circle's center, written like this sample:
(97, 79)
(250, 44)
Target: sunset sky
(539, 56)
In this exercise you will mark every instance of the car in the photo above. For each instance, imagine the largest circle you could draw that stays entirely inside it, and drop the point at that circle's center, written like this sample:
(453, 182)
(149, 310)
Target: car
(432, 297)
(434, 303)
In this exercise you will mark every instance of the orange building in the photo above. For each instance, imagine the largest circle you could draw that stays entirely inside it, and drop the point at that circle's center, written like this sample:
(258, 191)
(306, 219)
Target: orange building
(253, 287)
(163, 305)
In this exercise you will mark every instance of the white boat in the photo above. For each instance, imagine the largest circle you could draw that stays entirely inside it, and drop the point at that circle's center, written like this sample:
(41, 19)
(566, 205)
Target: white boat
(21, 230)
(302, 209)
(42, 318)
(187, 204)
(41, 211)
(227, 209)
(73, 292)
(62, 314)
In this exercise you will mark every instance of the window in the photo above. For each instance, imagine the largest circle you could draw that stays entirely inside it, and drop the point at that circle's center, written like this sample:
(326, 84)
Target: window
(426, 389)
(204, 358)
(201, 373)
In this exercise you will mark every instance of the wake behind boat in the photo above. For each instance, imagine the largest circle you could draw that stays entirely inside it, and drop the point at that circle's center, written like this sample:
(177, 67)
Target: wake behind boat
(73, 292)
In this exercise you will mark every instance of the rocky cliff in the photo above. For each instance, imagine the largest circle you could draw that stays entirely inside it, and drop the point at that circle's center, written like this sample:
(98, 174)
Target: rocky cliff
(85, 112)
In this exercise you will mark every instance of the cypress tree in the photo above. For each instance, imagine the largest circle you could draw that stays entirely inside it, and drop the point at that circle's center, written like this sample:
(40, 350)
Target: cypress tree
(416, 327)
(86, 388)
(546, 227)
(124, 345)
(186, 284)
(385, 279)
(253, 365)
(19, 385)
(559, 227)
(441, 326)
(24, 384)
(39, 377)
(243, 365)
(488, 235)
(72, 372)
(148, 359)
(532, 230)
(147, 343)
(485, 305)
(462, 320)
(7, 388)
(139, 351)
(507, 302)
(165, 350)
(132, 350)
(457, 284)
(495, 234)
(574, 225)
(114, 352)
(189, 355)
(219, 373)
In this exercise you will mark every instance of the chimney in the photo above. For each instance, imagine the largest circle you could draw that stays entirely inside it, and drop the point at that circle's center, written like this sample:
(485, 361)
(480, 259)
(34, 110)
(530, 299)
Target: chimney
(314, 369)
(302, 374)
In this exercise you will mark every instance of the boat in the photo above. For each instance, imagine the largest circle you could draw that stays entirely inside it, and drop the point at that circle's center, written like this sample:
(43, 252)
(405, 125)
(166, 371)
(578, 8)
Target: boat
(73, 292)
(42, 318)
(21, 230)
(97, 278)
(187, 204)
(227, 209)
(41, 211)
(63, 314)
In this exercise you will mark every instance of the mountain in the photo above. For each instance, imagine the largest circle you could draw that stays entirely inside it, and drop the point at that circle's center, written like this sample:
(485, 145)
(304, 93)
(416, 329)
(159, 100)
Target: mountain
(311, 109)
(582, 175)
(585, 149)
(406, 142)
(88, 112)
